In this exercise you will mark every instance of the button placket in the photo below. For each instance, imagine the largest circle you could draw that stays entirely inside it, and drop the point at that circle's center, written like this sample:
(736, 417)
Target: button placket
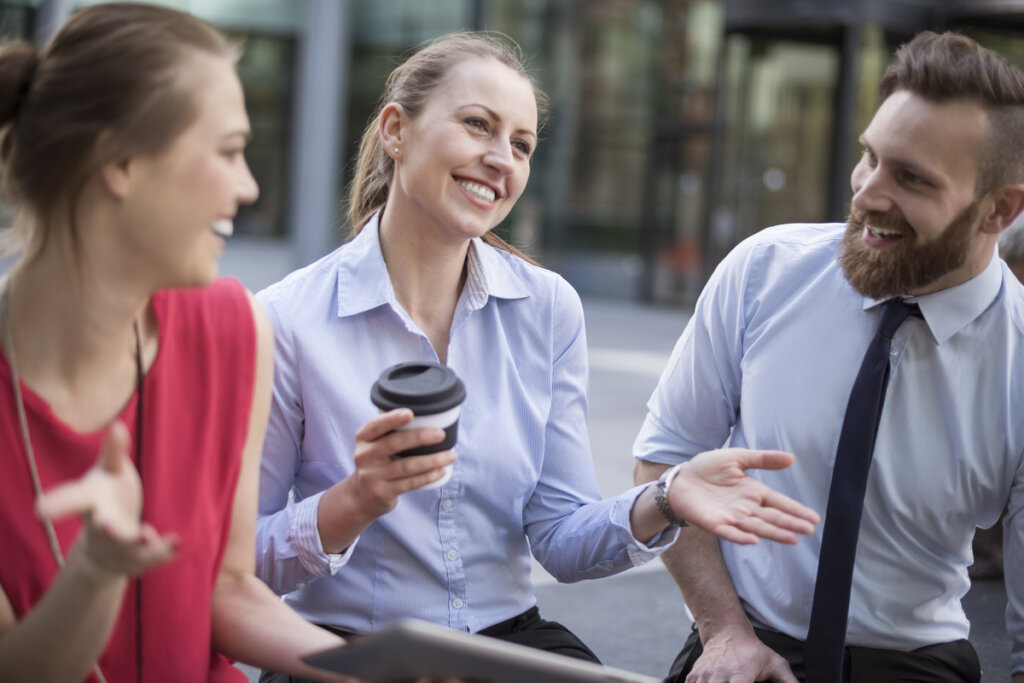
(452, 560)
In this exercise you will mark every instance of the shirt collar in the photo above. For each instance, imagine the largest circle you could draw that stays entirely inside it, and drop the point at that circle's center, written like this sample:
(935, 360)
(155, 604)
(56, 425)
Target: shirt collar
(490, 272)
(948, 311)
(364, 283)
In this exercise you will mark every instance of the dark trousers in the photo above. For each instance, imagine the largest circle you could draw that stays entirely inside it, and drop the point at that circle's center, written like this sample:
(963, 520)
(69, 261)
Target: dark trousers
(953, 662)
(530, 630)
(526, 629)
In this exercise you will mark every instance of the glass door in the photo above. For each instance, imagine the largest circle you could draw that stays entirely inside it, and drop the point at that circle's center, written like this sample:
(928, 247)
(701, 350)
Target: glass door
(776, 142)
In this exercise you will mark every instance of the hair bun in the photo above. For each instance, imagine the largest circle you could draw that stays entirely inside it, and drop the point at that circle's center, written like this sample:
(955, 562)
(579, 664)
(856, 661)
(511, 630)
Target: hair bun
(18, 62)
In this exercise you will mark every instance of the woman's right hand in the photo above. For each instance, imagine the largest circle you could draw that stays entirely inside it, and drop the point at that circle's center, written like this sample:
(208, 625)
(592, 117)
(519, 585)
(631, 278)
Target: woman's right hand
(109, 499)
(380, 477)
(373, 489)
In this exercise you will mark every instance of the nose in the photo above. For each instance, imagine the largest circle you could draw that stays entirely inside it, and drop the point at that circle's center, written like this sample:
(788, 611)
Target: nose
(499, 156)
(248, 189)
(870, 192)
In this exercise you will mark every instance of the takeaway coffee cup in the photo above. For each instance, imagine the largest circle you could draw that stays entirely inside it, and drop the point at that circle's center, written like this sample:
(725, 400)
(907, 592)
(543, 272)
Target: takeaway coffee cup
(433, 392)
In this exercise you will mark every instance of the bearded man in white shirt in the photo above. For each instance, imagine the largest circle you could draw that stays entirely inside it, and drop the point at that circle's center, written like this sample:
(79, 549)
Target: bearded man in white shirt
(772, 352)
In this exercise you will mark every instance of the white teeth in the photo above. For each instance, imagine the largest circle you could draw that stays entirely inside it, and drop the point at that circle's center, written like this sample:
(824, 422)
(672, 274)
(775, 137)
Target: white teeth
(883, 234)
(481, 191)
(223, 227)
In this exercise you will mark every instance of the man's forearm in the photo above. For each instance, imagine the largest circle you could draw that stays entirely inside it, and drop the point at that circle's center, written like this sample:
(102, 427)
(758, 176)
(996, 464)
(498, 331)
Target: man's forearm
(695, 563)
(732, 651)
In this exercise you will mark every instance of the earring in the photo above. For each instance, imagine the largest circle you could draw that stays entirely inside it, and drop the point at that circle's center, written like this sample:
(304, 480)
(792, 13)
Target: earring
(396, 150)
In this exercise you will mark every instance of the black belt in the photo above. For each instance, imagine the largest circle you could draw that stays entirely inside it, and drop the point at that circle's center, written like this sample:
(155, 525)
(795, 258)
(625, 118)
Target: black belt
(512, 625)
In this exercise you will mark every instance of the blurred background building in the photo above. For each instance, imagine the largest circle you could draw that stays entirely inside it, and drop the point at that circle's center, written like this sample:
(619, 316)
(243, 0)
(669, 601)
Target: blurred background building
(677, 127)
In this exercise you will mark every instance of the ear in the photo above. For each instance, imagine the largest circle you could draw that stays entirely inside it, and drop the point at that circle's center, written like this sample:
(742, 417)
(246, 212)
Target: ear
(115, 172)
(1007, 204)
(116, 177)
(391, 127)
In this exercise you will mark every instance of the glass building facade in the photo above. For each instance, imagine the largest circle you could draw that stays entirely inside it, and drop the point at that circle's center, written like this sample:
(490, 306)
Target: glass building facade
(677, 127)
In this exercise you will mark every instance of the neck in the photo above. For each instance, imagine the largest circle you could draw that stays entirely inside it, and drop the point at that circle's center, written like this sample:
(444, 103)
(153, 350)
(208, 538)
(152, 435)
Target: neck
(72, 328)
(427, 274)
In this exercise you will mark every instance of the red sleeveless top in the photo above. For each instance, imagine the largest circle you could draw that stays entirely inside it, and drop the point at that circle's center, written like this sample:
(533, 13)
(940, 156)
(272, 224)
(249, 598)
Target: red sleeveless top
(197, 398)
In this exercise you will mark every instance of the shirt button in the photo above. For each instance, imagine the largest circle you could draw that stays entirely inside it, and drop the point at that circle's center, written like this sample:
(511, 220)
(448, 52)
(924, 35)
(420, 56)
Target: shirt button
(446, 505)
(452, 554)
(457, 603)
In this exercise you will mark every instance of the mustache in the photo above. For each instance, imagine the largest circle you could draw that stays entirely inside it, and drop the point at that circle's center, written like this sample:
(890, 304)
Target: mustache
(880, 219)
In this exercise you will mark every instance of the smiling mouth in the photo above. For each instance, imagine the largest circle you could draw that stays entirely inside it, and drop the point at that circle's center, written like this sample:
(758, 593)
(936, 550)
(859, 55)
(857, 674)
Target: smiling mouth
(223, 227)
(881, 234)
(482, 191)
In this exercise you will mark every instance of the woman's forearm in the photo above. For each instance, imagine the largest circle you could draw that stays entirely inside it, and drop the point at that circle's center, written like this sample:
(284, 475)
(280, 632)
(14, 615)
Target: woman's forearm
(252, 625)
(65, 633)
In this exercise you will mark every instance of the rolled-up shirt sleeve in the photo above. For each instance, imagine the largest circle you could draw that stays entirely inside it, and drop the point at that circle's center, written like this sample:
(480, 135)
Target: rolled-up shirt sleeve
(697, 398)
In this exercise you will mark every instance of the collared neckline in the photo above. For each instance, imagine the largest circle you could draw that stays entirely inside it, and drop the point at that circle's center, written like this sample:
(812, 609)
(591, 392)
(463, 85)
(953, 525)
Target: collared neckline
(950, 310)
(363, 282)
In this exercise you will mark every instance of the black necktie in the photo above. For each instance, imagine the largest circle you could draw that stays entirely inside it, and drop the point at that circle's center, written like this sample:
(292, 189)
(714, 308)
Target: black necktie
(827, 632)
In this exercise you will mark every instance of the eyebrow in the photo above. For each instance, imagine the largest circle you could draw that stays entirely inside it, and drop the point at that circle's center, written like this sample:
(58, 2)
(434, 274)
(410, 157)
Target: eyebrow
(245, 133)
(497, 117)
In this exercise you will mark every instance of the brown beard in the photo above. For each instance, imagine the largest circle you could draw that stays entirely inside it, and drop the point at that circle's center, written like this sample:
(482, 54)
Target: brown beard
(905, 266)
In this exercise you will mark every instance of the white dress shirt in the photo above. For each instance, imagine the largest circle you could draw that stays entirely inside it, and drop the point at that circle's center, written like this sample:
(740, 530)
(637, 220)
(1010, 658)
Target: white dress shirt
(770, 356)
(524, 480)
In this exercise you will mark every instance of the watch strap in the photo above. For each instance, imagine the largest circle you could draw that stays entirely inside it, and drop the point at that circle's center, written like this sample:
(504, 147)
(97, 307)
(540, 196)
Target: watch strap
(661, 489)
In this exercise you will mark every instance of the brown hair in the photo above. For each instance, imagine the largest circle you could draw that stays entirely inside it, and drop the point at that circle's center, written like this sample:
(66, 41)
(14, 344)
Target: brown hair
(410, 85)
(948, 67)
(109, 83)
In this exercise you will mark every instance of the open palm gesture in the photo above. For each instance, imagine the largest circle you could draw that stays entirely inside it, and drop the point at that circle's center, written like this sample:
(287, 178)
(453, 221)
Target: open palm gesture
(109, 499)
(713, 491)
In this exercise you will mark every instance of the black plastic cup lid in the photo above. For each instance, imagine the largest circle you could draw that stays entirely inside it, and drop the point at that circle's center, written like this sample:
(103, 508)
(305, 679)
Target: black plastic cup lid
(426, 388)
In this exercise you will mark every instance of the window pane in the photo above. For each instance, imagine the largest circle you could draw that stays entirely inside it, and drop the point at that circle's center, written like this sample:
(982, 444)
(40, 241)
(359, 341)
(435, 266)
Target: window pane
(266, 71)
(778, 124)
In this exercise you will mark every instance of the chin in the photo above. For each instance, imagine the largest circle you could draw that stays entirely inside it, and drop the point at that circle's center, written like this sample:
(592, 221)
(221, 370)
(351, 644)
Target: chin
(196, 278)
(208, 277)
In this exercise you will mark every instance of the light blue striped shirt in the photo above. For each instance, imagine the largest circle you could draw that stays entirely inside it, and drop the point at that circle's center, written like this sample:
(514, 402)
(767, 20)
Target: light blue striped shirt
(459, 555)
(770, 356)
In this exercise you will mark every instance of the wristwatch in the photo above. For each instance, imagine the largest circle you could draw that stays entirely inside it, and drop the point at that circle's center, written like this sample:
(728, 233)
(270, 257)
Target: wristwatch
(661, 497)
